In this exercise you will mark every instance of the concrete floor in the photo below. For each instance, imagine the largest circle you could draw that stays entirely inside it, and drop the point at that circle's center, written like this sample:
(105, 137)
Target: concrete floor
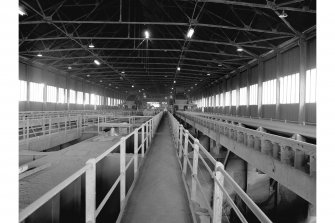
(159, 194)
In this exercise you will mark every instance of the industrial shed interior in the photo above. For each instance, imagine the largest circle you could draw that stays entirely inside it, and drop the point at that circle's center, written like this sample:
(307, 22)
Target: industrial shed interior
(167, 111)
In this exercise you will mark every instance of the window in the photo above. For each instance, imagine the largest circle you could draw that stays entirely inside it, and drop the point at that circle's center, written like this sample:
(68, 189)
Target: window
(98, 100)
(92, 97)
(36, 92)
(61, 95)
(217, 100)
(289, 89)
(80, 98)
(227, 98)
(243, 96)
(233, 98)
(311, 86)
(87, 99)
(269, 92)
(253, 94)
(221, 100)
(72, 96)
(23, 91)
(51, 94)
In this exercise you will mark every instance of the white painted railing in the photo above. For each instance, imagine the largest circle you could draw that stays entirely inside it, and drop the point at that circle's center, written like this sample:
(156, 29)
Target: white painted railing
(298, 154)
(46, 114)
(182, 139)
(147, 130)
(34, 127)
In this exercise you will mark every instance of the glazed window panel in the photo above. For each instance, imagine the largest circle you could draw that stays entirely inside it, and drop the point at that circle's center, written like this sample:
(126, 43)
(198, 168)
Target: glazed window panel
(36, 92)
(51, 94)
(311, 86)
(23, 90)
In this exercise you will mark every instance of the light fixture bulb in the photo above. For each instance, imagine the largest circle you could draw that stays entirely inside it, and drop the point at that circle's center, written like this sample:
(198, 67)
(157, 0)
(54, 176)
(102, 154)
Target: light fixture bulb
(88, 75)
(174, 82)
(146, 34)
(190, 33)
(208, 74)
(39, 55)
(122, 72)
(239, 49)
(97, 62)
(132, 85)
(22, 12)
(283, 14)
(91, 45)
(69, 68)
(178, 68)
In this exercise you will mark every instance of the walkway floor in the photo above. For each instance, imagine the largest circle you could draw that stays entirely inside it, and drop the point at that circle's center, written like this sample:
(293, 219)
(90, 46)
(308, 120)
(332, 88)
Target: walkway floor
(159, 194)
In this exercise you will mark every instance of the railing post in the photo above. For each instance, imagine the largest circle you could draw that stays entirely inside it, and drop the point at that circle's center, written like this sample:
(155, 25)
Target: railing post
(142, 142)
(98, 125)
(90, 191)
(180, 141)
(152, 128)
(218, 195)
(65, 124)
(185, 152)
(59, 123)
(147, 134)
(122, 171)
(28, 123)
(135, 150)
(49, 126)
(195, 170)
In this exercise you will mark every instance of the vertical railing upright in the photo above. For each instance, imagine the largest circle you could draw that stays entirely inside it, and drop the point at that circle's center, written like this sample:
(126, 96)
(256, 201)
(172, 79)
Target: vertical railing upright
(122, 171)
(49, 126)
(147, 135)
(90, 189)
(180, 141)
(195, 170)
(152, 128)
(142, 142)
(98, 124)
(135, 150)
(218, 194)
(185, 152)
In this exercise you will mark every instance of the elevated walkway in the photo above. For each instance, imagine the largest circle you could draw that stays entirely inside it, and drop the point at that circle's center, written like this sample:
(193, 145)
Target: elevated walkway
(159, 194)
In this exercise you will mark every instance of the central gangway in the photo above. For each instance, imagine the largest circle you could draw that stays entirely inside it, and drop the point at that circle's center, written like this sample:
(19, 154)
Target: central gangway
(159, 194)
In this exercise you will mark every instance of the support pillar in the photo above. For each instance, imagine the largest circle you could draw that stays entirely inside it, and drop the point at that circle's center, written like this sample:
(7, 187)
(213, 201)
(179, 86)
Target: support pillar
(302, 84)
(260, 87)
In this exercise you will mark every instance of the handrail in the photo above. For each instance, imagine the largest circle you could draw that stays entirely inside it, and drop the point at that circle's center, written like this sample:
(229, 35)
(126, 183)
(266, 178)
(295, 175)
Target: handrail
(147, 132)
(255, 117)
(182, 137)
(288, 151)
(48, 125)
(272, 124)
(45, 114)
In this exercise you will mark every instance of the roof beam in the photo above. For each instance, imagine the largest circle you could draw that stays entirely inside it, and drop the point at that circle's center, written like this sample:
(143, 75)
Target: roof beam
(44, 58)
(256, 5)
(137, 49)
(153, 39)
(247, 29)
